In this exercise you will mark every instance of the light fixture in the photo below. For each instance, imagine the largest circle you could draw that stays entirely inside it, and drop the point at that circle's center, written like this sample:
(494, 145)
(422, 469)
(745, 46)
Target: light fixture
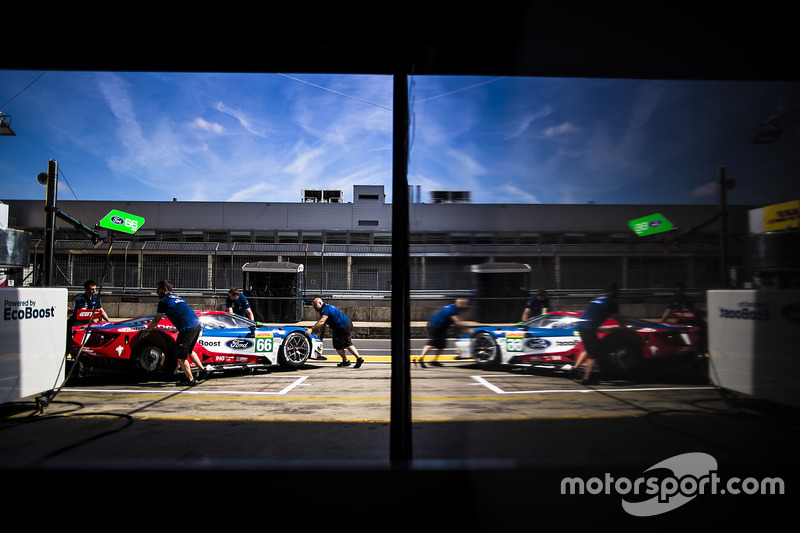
(5, 125)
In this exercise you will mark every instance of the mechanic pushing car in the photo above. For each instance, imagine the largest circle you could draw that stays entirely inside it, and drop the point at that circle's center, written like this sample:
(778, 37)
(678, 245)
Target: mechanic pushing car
(341, 328)
(598, 311)
(438, 325)
(184, 318)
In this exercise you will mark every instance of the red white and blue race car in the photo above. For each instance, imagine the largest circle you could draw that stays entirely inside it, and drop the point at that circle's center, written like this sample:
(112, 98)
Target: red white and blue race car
(226, 341)
(552, 341)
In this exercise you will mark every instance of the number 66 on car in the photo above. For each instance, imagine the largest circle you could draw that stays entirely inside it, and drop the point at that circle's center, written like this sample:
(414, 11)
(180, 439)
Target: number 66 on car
(226, 341)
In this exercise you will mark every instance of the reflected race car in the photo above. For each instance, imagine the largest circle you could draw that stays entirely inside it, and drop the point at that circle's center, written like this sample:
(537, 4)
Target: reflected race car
(226, 341)
(552, 341)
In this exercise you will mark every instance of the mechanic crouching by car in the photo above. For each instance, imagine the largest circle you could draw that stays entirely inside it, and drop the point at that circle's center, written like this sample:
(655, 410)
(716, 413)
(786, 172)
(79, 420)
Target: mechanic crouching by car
(89, 300)
(598, 311)
(680, 301)
(237, 304)
(188, 324)
(538, 304)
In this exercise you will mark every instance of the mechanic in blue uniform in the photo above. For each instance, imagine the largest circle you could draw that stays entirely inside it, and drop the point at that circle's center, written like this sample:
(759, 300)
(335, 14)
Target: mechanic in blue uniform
(188, 324)
(538, 304)
(237, 304)
(341, 328)
(438, 325)
(89, 300)
(598, 311)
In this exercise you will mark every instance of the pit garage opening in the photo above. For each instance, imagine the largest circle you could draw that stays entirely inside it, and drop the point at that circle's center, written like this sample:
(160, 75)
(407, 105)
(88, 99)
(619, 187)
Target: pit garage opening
(501, 291)
(275, 290)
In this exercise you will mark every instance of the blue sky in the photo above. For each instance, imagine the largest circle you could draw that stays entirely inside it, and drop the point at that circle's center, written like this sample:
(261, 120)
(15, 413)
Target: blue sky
(265, 137)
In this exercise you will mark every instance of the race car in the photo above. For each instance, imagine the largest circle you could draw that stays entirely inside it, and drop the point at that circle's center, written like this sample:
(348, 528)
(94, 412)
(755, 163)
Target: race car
(552, 341)
(226, 341)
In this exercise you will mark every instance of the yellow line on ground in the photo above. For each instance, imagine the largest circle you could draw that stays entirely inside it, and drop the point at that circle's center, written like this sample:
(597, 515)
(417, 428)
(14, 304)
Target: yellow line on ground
(274, 396)
(272, 419)
(370, 420)
(351, 420)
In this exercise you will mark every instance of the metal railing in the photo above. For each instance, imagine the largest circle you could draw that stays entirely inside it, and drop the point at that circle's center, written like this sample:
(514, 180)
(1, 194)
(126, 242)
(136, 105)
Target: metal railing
(212, 268)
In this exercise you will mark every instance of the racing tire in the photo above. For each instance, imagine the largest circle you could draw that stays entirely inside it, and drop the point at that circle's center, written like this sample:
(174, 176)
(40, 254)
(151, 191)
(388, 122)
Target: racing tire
(622, 352)
(150, 358)
(294, 351)
(485, 350)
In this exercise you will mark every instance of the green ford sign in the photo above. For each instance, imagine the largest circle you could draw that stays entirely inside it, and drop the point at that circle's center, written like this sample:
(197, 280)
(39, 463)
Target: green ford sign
(650, 224)
(119, 221)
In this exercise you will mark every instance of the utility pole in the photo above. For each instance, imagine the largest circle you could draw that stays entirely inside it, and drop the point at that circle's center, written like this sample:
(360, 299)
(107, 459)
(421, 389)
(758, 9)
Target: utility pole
(723, 185)
(50, 220)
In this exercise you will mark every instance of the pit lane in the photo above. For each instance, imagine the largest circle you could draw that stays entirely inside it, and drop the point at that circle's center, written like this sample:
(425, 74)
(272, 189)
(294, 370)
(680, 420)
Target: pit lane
(321, 391)
(322, 419)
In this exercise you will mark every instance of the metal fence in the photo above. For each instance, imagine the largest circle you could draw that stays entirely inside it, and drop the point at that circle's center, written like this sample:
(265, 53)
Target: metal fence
(214, 267)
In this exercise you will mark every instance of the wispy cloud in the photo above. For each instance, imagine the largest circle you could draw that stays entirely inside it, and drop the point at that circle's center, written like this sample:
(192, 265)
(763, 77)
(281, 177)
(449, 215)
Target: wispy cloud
(517, 194)
(241, 117)
(709, 189)
(616, 152)
(211, 127)
(524, 123)
(240, 137)
(558, 131)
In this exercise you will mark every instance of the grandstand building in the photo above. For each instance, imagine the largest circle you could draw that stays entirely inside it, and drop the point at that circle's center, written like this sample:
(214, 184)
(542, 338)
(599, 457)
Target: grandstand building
(347, 246)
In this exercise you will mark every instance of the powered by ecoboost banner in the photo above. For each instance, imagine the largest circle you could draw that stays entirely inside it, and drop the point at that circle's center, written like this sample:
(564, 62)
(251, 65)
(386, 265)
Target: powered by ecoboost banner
(753, 338)
(33, 329)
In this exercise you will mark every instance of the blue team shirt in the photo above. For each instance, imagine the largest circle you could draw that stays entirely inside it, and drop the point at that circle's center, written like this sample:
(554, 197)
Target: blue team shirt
(178, 312)
(336, 319)
(444, 317)
(82, 302)
(238, 305)
(681, 303)
(536, 305)
(598, 311)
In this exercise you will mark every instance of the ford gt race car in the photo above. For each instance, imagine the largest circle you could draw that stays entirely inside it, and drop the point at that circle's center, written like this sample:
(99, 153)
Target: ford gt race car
(226, 341)
(552, 341)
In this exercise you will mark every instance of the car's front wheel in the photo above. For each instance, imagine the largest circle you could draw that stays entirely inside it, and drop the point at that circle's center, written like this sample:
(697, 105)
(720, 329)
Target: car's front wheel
(295, 350)
(485, 350)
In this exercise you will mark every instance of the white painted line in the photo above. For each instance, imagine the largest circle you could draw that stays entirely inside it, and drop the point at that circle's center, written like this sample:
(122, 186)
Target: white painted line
(283, 391)
(296, 383)
(481, 381)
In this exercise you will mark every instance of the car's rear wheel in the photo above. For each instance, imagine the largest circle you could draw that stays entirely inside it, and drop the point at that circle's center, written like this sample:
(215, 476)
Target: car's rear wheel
(623, 352)
(295, 350)
(485, 350)
(151, 358)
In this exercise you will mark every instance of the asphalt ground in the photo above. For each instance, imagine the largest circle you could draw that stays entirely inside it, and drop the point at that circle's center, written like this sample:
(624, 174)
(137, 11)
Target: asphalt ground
(488, 448)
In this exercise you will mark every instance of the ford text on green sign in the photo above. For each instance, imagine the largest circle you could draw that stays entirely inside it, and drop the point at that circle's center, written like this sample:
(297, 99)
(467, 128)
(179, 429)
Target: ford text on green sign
(119, 221)
(650, 224)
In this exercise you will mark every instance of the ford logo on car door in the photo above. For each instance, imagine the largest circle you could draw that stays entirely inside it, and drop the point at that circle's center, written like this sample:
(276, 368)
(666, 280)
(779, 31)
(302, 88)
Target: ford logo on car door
(239, 344)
